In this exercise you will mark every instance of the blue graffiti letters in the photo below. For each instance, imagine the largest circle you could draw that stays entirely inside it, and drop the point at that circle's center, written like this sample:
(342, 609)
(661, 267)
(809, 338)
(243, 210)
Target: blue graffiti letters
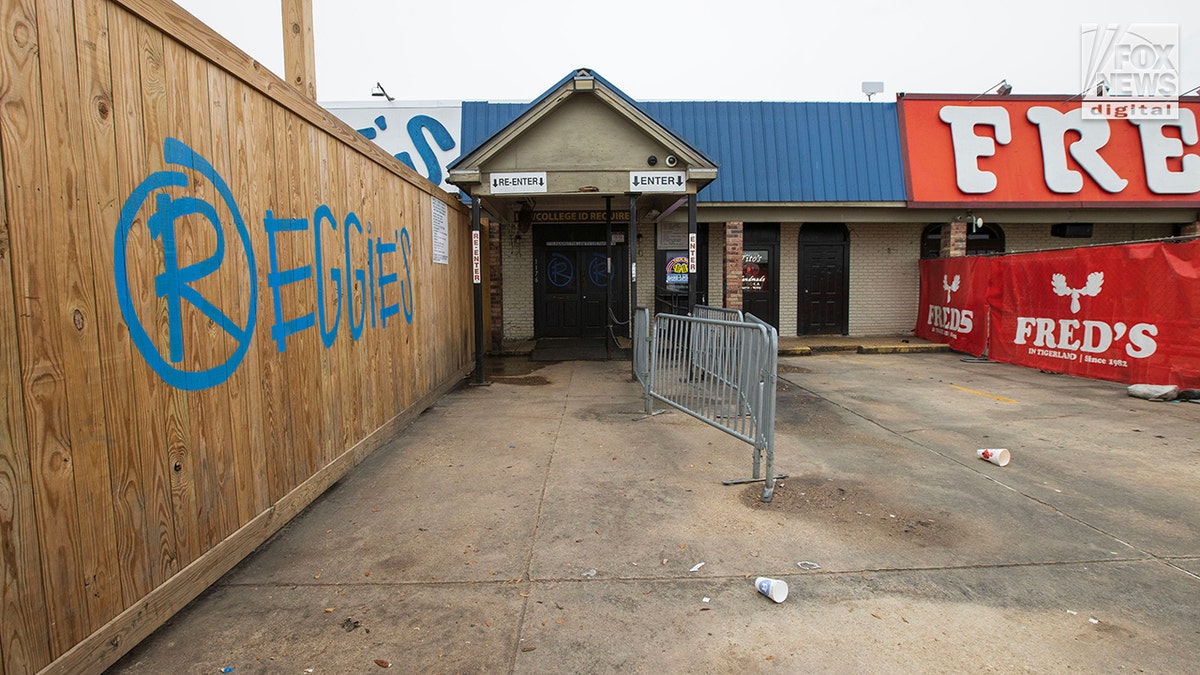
(174, 283)
(406, 286)
(328, 335)
(372, 282)
(356, 329)
(277, 278)
(306, 292)
(385, 280)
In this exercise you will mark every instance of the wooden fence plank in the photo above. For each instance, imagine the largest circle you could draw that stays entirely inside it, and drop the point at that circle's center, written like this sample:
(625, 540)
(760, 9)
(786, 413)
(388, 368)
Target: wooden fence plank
(356, 300)
(282, 461)
(146, 465)
(233, 275)
(173, 116)
(100, 158)
(166, 407)
(327, 295)
(307, 360)
(236, 298)
(34, 254)
(253, 182)
(24, 644)
(208, 407)
(75, 311)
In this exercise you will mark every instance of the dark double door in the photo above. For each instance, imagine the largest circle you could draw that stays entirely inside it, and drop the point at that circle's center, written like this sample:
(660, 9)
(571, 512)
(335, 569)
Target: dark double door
(574, 286)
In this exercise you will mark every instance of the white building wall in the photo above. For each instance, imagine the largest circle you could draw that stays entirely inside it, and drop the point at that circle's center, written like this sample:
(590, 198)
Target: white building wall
(884, 278)
(517, 283)
(789, 277)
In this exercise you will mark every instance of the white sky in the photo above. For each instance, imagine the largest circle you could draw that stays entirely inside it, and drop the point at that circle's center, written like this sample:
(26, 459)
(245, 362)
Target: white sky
(756, 50)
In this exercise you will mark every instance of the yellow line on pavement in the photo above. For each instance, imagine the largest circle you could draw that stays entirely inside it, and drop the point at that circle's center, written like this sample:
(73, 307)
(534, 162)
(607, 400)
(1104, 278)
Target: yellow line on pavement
(980, 393)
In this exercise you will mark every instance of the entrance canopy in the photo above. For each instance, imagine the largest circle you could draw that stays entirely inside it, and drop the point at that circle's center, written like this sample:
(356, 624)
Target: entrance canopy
(581, 141)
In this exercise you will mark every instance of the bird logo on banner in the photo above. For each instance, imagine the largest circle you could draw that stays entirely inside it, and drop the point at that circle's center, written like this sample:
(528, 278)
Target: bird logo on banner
(949, 286)
(1094, 281)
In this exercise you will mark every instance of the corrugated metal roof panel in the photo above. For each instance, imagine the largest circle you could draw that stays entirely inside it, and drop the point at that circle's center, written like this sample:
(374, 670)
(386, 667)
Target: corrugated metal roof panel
(766, 152)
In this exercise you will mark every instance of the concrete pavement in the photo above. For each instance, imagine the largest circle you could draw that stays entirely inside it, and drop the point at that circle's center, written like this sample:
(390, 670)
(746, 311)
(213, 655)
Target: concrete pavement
(536, 526)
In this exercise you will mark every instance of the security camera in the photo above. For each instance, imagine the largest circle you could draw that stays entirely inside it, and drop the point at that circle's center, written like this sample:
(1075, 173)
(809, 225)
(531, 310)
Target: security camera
(671, 161)
(652, 160)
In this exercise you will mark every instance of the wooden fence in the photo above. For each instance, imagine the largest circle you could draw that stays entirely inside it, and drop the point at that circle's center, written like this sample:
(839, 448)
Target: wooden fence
(215, 300)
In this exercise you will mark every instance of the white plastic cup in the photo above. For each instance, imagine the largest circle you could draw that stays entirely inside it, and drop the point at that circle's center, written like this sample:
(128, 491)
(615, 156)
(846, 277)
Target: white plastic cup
(997, 456)
(775, 589)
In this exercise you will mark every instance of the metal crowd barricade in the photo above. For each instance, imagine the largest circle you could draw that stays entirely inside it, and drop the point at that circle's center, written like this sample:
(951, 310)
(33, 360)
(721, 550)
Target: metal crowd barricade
(720, 371)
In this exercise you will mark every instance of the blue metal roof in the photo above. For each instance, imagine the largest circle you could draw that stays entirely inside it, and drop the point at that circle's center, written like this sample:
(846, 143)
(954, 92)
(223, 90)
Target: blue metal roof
(765, 152)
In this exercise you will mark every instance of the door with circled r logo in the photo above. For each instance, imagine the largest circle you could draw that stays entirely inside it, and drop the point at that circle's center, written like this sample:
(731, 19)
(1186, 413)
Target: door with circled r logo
(571, 292)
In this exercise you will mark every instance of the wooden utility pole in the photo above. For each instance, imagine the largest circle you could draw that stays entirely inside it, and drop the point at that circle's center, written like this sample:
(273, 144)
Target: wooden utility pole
(299, 55)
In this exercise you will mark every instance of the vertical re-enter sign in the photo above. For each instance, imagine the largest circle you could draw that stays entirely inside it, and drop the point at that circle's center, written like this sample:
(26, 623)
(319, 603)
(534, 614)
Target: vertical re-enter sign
(475, 276)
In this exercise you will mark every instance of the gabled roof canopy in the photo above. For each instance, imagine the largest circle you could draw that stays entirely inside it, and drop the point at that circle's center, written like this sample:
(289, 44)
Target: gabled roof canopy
(587, 137)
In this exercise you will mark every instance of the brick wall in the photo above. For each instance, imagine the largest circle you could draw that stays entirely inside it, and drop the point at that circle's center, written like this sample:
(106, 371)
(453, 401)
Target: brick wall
(884, 278)
(954, 240)
(646, 273)
(733, 265)
(518, 283)
(789, 277)
(716, 266)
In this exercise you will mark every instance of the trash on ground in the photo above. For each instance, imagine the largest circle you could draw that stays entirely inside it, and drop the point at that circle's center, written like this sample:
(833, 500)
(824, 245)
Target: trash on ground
(997, 456)
(775, 589)
(591, 574)
(227, 669)
(383, 663)
(808, 565)
(1154, 392)
(1093, 620)
(696, 567)
(704, 599)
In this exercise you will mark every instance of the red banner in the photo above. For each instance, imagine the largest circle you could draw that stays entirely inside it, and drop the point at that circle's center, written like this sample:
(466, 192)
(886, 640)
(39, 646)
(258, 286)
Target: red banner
(1127, 313)
(954, 302)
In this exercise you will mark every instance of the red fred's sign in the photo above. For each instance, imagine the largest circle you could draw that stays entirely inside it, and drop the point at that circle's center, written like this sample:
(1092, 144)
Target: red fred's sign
(953, 309)
(1041, 151)
(1123, 313)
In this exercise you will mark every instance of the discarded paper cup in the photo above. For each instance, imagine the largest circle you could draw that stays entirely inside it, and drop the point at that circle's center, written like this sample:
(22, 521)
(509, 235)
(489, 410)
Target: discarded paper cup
(997, 456)
(775, 589)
